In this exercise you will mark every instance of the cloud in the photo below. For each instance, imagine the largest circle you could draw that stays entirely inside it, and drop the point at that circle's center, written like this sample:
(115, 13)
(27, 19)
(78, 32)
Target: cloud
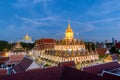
(31, 22)
(21, 3)
(82, 27)
(104, 20)
(44, 6)
(29, 3)
(35, 27)
(41, 1)
(104, 7)
(43, 21)
(51, 26)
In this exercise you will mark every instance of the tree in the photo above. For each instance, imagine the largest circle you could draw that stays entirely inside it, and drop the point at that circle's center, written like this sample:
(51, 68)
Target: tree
(90, 45)
(4, 46)
(27, 46)
(113, 50)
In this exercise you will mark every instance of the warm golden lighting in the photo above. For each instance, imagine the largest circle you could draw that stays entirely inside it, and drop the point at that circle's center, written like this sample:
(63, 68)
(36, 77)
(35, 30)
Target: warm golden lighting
(30, 54)
(6, 54)
(69, 33)
(27, 37)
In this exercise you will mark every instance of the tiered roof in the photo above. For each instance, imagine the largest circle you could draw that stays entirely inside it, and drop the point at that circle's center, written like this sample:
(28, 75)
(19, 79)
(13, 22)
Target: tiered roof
(18, 48)
(102, 51)
(45, 43)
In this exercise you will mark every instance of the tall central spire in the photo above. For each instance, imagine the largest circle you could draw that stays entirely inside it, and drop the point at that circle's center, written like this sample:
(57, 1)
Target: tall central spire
(69, 28)
(69, 33)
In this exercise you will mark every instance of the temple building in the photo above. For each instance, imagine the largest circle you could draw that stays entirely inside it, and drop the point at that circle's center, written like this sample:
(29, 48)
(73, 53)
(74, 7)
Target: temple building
(16, 54)
(27, 39)
(54, 51)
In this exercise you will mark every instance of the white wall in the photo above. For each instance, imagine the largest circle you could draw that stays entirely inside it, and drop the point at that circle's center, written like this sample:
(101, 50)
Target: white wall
(33, 66)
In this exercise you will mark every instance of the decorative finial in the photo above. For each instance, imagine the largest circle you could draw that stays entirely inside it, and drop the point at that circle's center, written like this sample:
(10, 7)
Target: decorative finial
(68, 20)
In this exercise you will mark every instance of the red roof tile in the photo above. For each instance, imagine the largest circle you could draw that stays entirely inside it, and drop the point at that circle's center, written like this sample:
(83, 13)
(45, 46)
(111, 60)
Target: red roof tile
(3, 59)
(117, 45)
(47, 40)
(23, 65)
(74, 74)
(101, 51)
(109, 76)
(45, 43)
(16, 57)
(53, 73)
(3, 71)
(97, 69)
(68, 64)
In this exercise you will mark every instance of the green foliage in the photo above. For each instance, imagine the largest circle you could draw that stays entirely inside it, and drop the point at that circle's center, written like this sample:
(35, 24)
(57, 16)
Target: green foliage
(90, 45)
(114, 50)
(4, 46)
(103, 56)
(27, 46)
(46, 65)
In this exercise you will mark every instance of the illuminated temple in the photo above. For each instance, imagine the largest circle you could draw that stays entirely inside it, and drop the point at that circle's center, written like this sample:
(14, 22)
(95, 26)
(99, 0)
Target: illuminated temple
(27, 39)
(54, 51)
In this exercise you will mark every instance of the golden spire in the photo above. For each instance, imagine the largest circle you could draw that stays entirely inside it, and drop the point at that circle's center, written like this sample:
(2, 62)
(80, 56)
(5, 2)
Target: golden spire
(27, 37)
(69, 28)
(69, 33)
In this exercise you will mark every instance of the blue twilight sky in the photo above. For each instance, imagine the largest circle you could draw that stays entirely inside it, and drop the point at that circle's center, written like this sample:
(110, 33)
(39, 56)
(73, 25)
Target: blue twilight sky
(96, 20)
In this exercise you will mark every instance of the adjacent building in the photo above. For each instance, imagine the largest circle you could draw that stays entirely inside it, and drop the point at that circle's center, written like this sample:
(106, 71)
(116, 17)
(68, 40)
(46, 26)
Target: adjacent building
(53, 73)
(16, 54)
(109, 70)
(25, 64)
